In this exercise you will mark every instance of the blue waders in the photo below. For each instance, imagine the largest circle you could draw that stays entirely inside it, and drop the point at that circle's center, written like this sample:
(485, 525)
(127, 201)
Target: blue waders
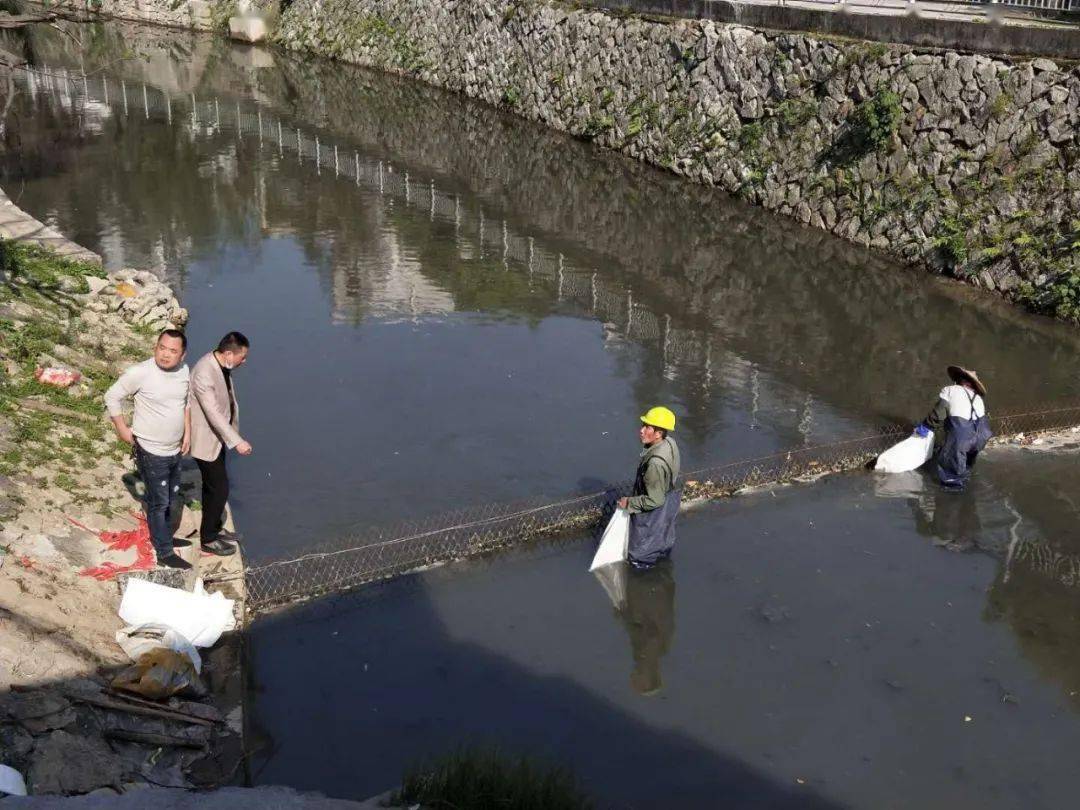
(652, 534)
(964, 440)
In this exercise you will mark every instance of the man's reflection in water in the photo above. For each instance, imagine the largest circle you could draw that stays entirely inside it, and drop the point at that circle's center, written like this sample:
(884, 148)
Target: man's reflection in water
(950, 517)
(645, 603)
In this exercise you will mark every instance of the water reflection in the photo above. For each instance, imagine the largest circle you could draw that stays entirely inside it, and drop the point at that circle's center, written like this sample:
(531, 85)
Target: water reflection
(951, 518)
(701, 280)
(644, 602)
(649, 618)
(1022, 510)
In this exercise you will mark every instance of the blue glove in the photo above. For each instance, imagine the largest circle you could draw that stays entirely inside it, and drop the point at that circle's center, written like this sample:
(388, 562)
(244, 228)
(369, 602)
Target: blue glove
(922, 431)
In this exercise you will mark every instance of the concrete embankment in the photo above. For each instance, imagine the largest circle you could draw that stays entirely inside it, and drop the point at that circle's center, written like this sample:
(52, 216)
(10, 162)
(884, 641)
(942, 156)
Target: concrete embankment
(963, 163)
(72, 533)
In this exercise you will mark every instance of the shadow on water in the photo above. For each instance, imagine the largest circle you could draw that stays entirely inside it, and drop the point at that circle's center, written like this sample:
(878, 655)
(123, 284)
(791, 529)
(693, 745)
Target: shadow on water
(816, 636)
(393, 694)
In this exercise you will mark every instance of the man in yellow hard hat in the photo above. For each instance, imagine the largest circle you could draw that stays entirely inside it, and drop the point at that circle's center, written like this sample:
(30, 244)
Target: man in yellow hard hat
(654, 503)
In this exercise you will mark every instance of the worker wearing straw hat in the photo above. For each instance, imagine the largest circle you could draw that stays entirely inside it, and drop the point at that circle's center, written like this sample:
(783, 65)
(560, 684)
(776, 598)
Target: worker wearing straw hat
(961, 413)
(654, 502)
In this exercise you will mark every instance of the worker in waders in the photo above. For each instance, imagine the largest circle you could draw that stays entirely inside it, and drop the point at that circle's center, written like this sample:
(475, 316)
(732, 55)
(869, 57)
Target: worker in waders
(961, 426)
(654, 503)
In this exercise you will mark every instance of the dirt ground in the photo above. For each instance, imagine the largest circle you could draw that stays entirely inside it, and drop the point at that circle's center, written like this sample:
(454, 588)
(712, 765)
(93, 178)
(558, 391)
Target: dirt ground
(72, 533)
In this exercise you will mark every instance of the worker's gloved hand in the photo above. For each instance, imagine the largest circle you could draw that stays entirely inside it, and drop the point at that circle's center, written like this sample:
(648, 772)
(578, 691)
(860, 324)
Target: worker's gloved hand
(922, 431)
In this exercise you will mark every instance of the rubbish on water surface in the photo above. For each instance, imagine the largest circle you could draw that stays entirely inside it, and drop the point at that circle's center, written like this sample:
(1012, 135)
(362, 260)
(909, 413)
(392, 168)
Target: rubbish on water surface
(908, 455)
(198, 616)
(160, 674)
(137, 640)
(613, 544)
(58, 376)
(11, 782)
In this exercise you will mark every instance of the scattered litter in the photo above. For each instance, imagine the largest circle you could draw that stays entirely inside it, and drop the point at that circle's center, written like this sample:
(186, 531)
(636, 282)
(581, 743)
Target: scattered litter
(967, 718)
(160, 674)
(58, 376)
(613, 544)
(775, 614)
(196, 615)
(11, 782)
(141, 639)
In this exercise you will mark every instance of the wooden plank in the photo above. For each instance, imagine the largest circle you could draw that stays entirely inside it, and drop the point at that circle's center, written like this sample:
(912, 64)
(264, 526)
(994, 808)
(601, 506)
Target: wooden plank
(156, 740)
(117, 706)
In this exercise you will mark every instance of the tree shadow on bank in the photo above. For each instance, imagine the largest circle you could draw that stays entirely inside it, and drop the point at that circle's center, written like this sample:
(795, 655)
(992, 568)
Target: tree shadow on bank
(346, 705)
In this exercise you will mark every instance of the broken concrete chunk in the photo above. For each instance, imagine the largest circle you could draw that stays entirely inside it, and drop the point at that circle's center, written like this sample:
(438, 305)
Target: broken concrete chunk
(64, 763)
(39, 725)
(29, 705)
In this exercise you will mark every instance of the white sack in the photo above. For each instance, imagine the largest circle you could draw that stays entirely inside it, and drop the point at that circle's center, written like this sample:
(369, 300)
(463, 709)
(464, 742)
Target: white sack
(11, 782)
(145, 637)
(197, 616)
(910, 454)
(613, 544)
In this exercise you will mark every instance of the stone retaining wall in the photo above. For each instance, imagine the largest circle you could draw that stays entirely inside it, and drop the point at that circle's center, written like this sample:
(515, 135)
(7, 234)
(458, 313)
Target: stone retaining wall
(196, 15)
(965, 163)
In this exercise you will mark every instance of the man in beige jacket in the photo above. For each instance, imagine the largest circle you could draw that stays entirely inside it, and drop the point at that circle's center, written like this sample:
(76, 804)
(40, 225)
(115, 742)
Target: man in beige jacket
(214, 429)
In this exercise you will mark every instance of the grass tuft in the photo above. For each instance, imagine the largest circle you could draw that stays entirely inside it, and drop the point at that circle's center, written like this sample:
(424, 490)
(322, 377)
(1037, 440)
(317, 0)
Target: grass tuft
(488, 780)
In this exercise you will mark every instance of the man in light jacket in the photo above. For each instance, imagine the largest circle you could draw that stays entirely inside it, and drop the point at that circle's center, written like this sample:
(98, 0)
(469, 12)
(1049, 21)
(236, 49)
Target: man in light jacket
(159, 434)
(215, 429)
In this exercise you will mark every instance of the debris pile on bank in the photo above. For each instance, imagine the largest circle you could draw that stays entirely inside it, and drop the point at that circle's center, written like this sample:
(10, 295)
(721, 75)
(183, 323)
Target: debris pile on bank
(67, 494)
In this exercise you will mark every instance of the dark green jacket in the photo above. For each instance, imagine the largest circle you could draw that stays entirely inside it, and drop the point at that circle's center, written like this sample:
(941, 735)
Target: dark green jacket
(657, 472)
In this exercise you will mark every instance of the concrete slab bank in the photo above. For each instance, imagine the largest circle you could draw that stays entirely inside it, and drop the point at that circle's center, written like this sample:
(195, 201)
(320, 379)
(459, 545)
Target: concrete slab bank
(263, 798)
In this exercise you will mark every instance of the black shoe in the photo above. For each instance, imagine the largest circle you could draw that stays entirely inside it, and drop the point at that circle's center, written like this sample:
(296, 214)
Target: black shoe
(219, 547)
(178, 543)
(230, 537)
(174, 561)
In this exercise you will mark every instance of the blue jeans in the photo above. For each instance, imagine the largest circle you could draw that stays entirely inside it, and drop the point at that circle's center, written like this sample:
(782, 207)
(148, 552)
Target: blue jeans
(161, 479)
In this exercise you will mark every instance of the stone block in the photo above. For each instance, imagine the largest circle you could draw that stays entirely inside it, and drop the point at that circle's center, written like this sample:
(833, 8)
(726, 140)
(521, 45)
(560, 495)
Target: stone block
(248, 29)
(201, 16)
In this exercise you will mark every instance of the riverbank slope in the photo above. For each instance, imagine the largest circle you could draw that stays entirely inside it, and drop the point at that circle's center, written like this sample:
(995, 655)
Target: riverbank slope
(72, 530)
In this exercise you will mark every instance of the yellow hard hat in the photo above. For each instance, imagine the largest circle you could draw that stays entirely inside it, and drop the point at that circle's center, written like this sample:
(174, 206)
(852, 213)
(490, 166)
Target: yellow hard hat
(659, 417)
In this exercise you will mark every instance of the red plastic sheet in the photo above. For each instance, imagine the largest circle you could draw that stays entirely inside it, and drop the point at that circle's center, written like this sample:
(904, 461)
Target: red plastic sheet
(137, 538)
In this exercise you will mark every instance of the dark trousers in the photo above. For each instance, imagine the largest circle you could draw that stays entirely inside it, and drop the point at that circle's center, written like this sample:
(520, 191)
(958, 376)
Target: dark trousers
(215, 494)
(161, 479)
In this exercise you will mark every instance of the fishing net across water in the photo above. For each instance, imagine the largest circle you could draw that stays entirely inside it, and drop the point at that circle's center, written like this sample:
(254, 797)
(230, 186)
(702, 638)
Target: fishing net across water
(369, 556)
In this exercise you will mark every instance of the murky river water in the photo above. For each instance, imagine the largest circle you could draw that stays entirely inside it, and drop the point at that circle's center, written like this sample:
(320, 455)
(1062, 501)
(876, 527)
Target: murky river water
(450, 307)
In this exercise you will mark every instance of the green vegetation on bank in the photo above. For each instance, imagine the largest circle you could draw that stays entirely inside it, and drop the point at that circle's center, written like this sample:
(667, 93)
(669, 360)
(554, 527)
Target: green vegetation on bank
(488, 780)
(41, 322)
